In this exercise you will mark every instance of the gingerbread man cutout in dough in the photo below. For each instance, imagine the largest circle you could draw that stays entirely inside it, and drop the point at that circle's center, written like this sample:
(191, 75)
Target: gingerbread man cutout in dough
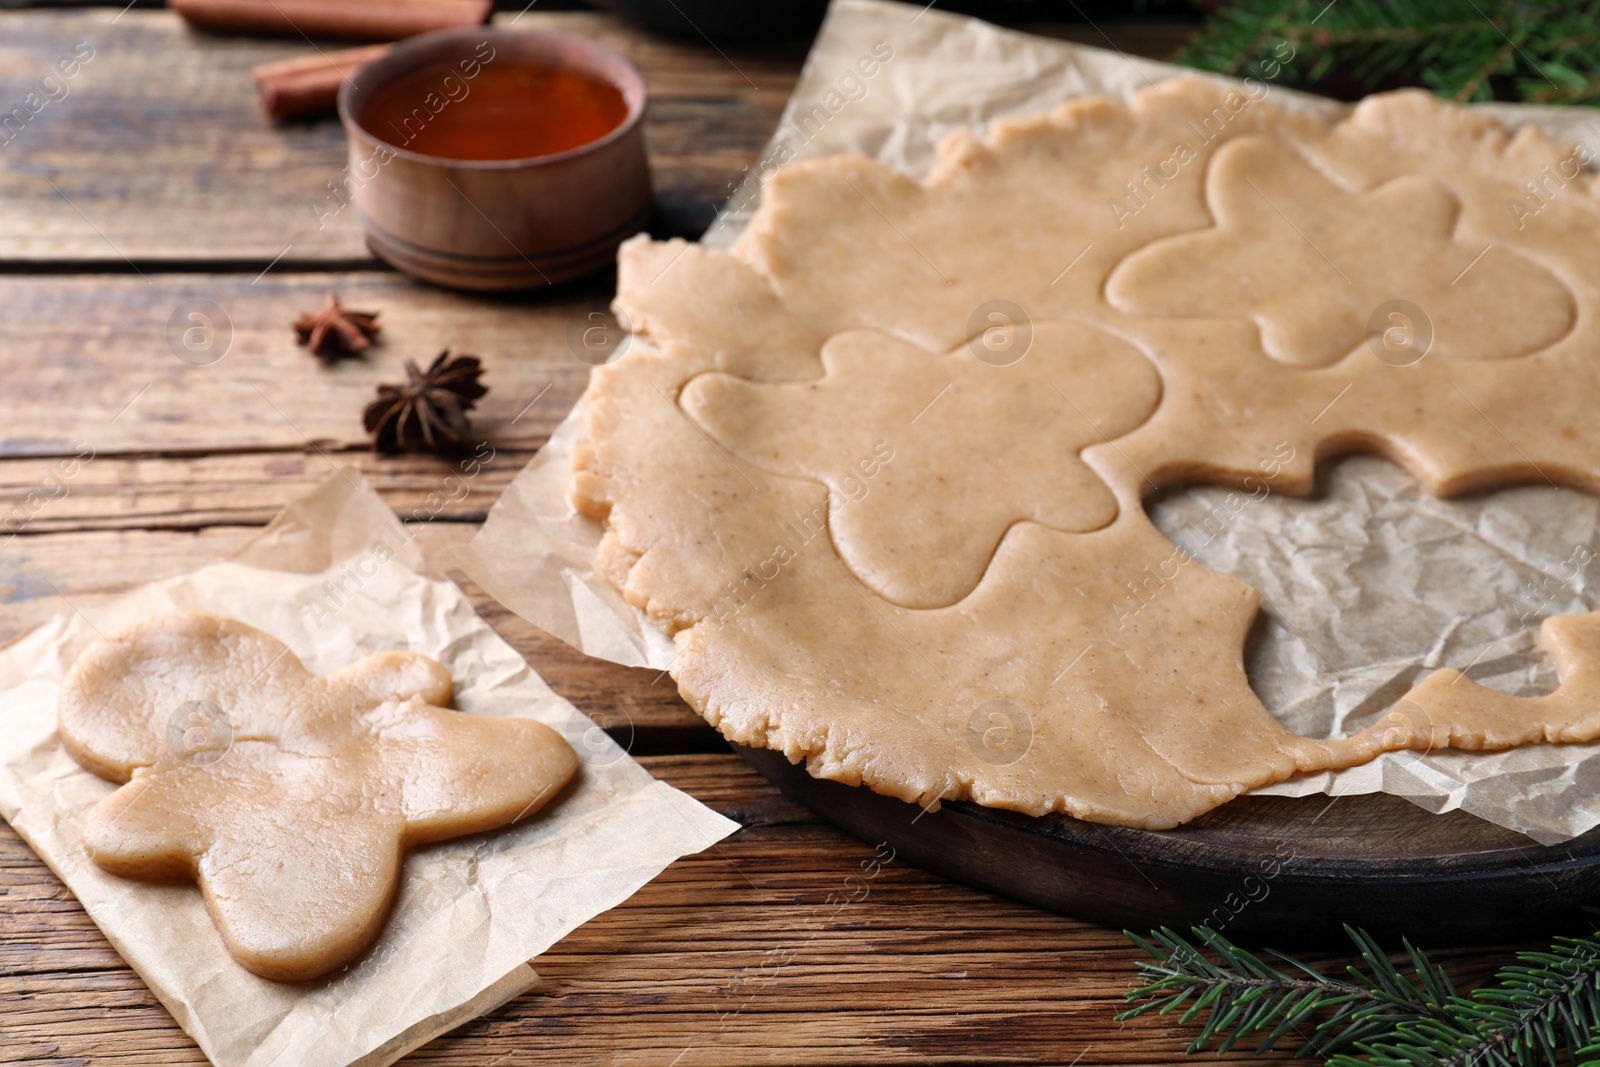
(295, 820)
(964, 430)
(1308, 261)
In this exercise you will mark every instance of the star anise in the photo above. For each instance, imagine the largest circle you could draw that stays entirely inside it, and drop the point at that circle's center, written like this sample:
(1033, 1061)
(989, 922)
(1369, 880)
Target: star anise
(336, 331)
(429, 412)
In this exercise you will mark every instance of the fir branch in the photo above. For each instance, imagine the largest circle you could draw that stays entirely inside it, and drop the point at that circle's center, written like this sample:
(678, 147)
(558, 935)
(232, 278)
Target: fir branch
(1541, 51)
(1244, 996)
(1541, 1011)
(1546, 1004)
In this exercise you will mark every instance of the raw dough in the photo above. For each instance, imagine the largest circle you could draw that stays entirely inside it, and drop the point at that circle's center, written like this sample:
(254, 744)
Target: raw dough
(1284, 231)
(289, 797)
(974, 621)
(923, 500)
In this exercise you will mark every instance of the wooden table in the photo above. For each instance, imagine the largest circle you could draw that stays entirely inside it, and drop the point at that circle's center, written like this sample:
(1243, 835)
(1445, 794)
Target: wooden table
(156, 181)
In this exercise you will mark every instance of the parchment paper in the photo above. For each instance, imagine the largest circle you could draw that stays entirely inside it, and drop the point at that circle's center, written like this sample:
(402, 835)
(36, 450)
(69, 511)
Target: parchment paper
(1365, 589)
(471, 913)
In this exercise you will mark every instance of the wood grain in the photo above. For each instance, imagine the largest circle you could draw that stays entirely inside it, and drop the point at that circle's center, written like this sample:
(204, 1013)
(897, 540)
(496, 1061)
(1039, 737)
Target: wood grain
(752, 952)
(156, 181)
(90, 361)
(165, 119)
(247, 488)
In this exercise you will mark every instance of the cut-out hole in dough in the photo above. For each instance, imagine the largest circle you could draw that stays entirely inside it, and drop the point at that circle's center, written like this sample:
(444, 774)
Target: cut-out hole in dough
(1371, 583)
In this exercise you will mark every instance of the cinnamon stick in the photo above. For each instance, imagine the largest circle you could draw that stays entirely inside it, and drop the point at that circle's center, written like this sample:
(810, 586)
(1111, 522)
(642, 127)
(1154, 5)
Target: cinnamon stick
(379, 20)
(309, 85)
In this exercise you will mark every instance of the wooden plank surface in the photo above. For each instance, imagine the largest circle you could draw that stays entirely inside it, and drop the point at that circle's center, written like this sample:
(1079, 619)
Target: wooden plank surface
(245, 488)
(753, 952)
(156, 181)
(159, 152)
(92, 360)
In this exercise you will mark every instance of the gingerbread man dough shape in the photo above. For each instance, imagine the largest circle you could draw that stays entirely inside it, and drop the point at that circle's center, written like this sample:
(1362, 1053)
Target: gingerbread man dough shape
(924, 532)
(1309, 260)
(295, 808)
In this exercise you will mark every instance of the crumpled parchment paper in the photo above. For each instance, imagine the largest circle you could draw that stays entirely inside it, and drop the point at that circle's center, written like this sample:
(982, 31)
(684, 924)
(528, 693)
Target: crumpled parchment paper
(1365, 588)
(336, 576)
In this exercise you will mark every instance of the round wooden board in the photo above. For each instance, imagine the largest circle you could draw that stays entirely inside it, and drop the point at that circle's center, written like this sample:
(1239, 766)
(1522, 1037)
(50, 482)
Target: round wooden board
(1264, 870)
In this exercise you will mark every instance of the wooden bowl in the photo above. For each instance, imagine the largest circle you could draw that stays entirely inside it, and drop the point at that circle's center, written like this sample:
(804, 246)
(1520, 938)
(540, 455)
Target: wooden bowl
(495, 225)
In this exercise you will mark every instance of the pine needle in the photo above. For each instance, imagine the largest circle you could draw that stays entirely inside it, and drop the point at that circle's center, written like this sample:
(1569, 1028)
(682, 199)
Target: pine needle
(1537, 51)
(1542, 1011)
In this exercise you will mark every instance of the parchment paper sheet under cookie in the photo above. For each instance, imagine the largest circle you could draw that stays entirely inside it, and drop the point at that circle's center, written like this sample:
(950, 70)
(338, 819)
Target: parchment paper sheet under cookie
(337, 577)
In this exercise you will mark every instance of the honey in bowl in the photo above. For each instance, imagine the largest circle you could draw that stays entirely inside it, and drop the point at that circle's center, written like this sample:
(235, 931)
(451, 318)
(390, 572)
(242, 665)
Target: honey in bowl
(491, 158)
(498, 109)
